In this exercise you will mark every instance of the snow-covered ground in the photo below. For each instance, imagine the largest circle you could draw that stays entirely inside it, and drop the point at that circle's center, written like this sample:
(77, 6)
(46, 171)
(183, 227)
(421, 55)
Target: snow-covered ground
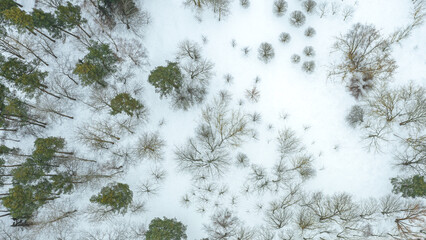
(315, 106)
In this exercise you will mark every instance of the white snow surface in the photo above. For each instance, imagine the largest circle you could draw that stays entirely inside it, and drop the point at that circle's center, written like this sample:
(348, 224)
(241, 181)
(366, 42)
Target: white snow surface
(312, 101)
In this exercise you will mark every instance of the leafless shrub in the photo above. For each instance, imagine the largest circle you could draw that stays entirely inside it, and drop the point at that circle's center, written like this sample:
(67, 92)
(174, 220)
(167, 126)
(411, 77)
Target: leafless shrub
(265, 234)
(242, 160)
(295, 58)
(223, 225)
(133, 50)
(97, 135)
(150, 145)
(228, 78)
(280, 7)
(418, 15)
(347, 12)
(297, 18)
(412, 157)
(189, 49)
(245, 50)
(322, 7)
(309, 6)
(148, 188)
(308, 66)
(265, 52)
(253, 94)
(285, 37)
(375, 134)
(233, 43)
(335, 7)
(220, 129)
(288, 143)
(364, 52)
(355, 116)
(309, 51)
(245, 3)
(310, 32)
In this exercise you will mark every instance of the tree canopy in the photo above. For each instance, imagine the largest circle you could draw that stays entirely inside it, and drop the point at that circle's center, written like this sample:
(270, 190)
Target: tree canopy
(166, 79)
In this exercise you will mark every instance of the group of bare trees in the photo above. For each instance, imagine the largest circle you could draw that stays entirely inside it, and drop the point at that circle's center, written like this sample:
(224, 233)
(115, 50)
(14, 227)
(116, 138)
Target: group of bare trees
(197, 73)
(219, 7)
(220, 129)
(42, 85)
(315, 215)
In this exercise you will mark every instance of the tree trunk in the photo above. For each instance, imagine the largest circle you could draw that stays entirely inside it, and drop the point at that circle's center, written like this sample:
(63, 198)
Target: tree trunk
(8, 130)
(45, 35)
(65, 31)
(30, 50)
(83, 31)
(51, 94)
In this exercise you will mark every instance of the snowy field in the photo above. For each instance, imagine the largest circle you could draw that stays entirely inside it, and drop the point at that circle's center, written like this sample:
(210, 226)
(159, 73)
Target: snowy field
(272, 99)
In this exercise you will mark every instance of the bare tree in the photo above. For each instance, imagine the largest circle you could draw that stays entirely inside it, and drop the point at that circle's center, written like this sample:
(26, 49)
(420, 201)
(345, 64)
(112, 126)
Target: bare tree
(280, 7)
(265, 52)
(223, 225)
(219, 129)
(363, 52)
(189, 49)
(150, 145)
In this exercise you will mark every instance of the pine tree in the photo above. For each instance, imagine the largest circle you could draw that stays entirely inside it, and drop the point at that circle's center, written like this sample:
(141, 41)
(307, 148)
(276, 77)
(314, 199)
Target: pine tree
(5, 5)
(166, 80)
(409, 187)
(97, 65)
(165, 229)
(124, 103)
(20, 202)
(116, 197)
(50, 22)
(25, 76)
(69, 17)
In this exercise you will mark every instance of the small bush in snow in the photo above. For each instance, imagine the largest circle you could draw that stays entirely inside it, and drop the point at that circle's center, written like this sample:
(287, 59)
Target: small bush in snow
(309, 51)
(285, 37)
(233, 43)
(308, 66)
(295, 58)
(245, 3)
(265, 52)
(360, 84)
(309, 6)
(364, 53)
(245, 50)
(228, 78)
(253, 94)
(297, 18)
(310, 32)
(355, 116)
(242, 160)
(280, 7)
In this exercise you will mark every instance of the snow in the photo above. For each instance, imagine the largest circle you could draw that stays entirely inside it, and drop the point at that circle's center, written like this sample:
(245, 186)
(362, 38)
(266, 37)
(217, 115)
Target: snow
(342, 160)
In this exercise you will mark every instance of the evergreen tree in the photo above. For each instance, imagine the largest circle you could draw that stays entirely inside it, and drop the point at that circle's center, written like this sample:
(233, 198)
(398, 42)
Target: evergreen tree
(166, 80)
(97, 65)
(2, 172)
(165, 229)
(62, 183)
(409, 187)
(20, 202)
(24, 76)
(123, 102)
(5, 5)
(27, 173)
(19, 18)
(44, 152)
(50, 22)
(116, 197)
(69, 17)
